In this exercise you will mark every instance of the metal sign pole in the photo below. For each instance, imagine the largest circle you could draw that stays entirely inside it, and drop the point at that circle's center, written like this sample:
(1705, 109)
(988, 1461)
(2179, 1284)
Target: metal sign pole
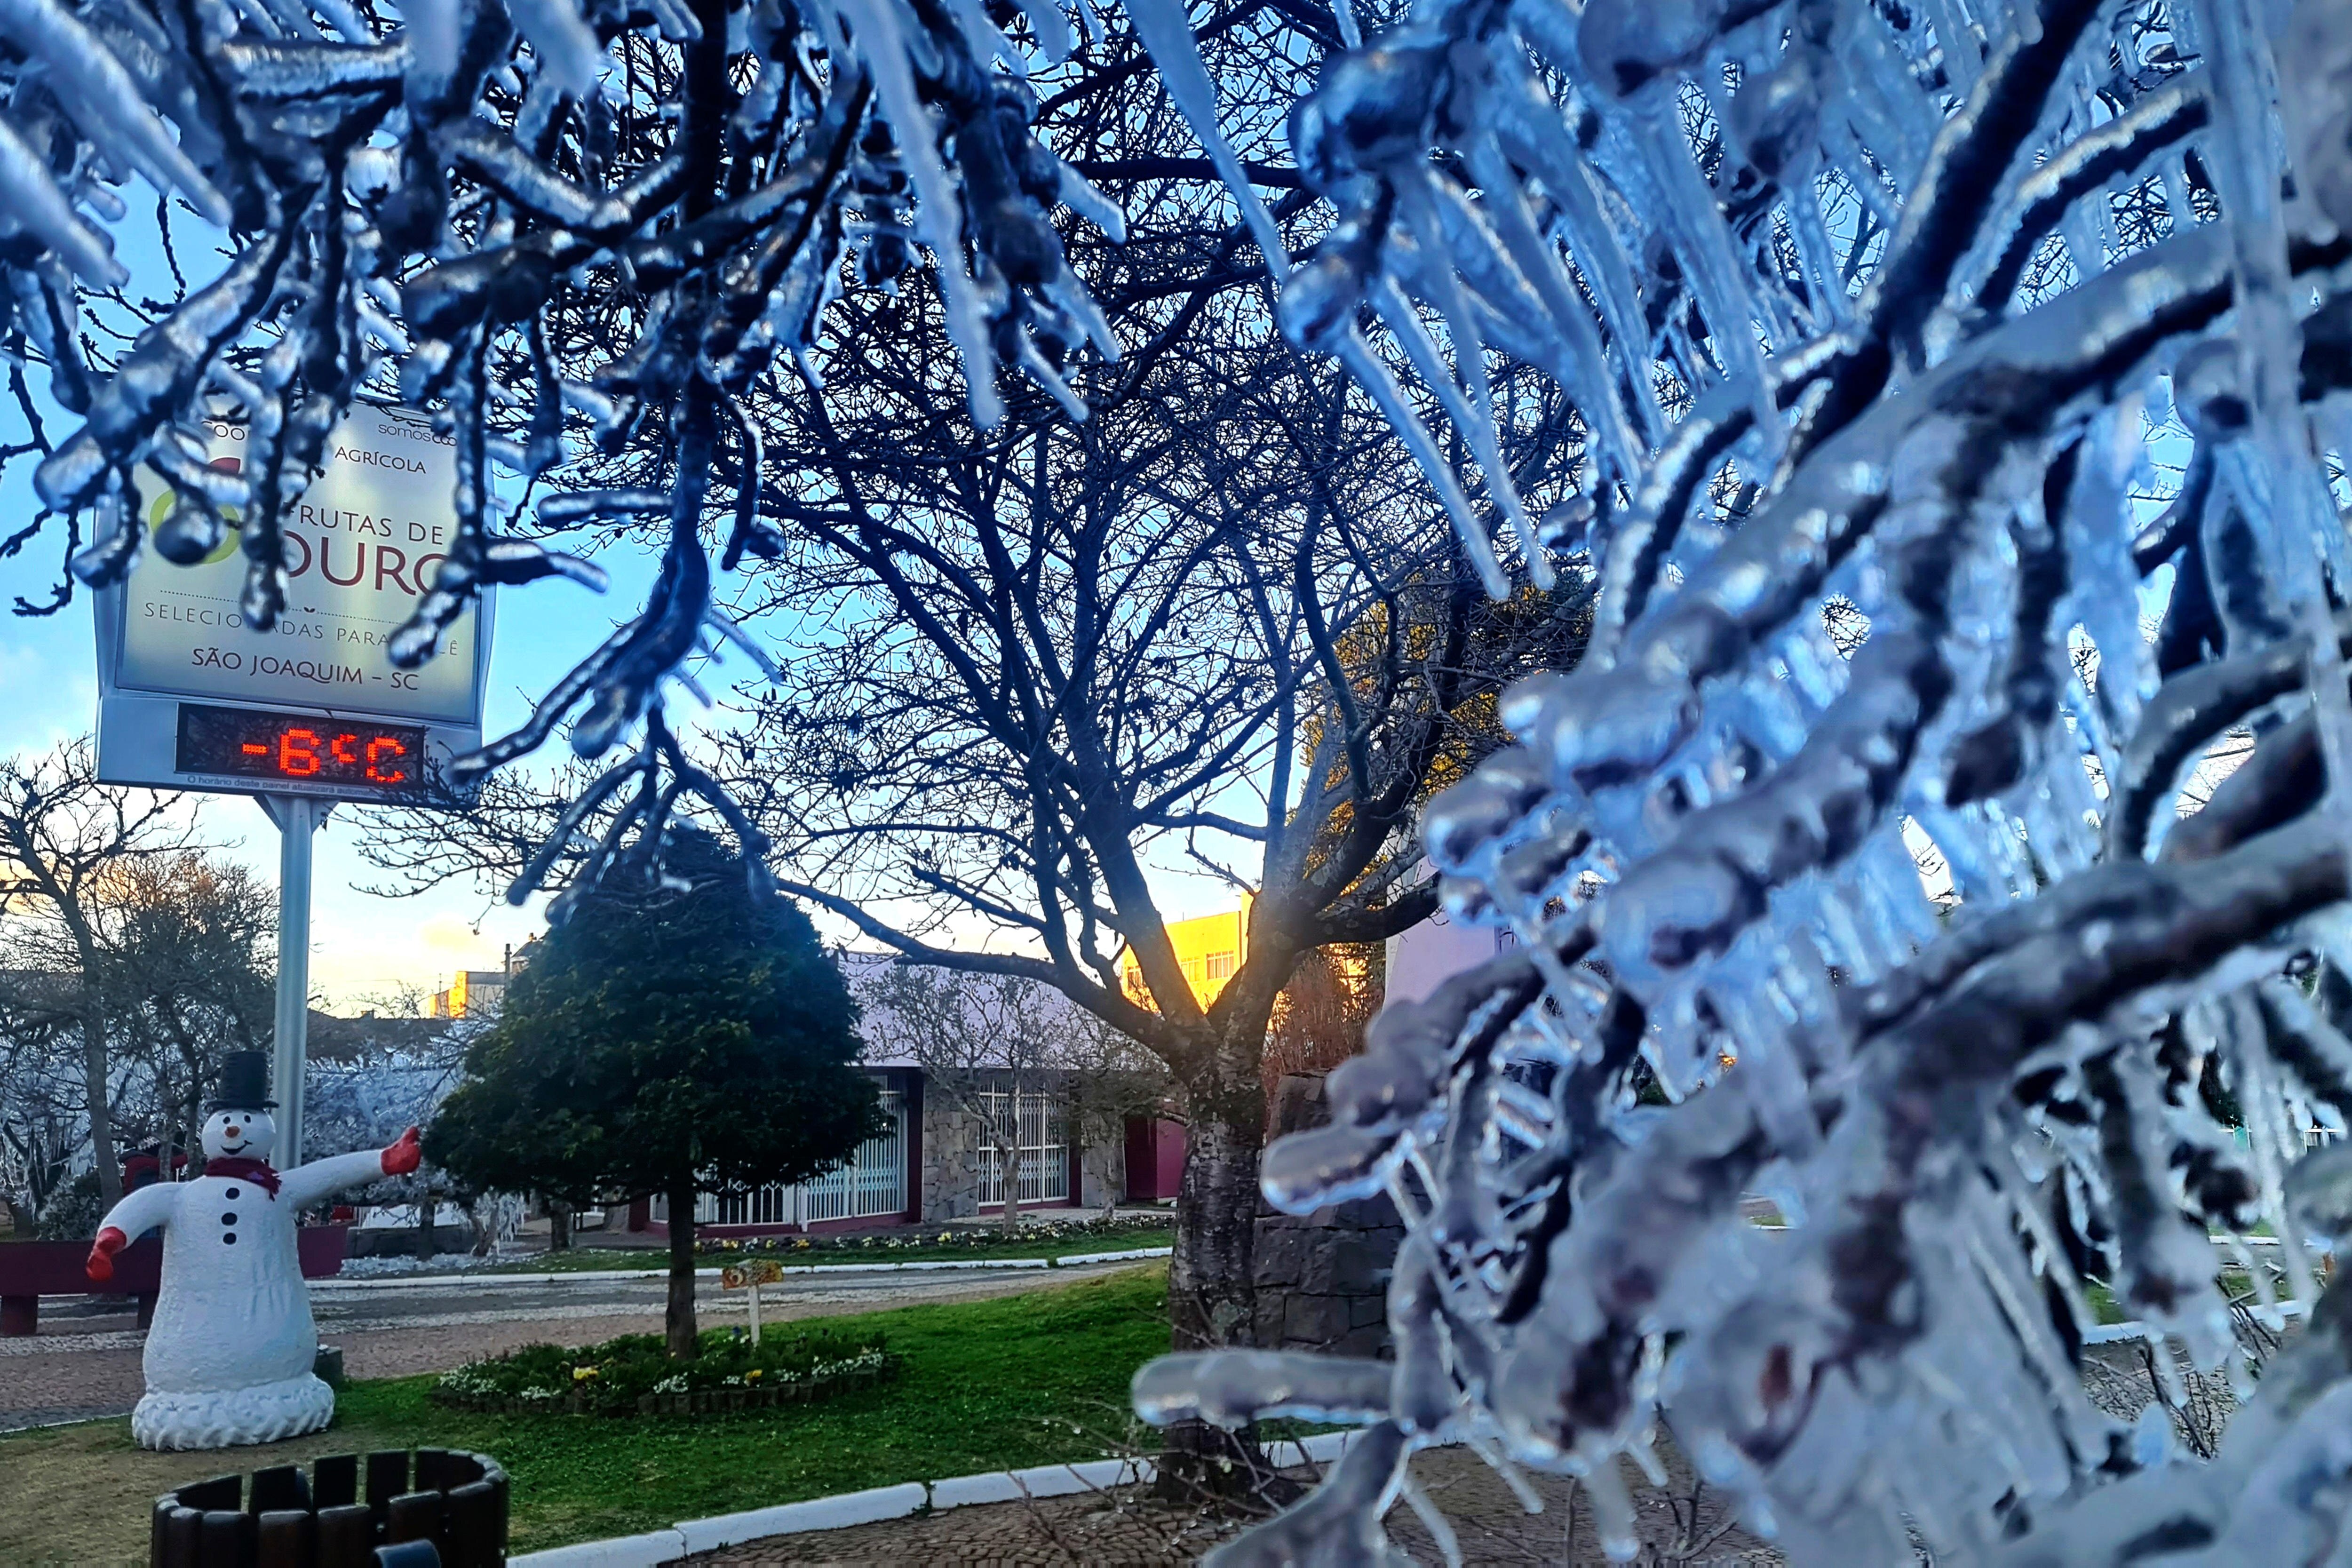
(296, 816)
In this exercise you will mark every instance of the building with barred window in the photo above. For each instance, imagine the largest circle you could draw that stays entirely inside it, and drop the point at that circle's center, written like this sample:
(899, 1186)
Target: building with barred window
(935, 1160)
(931, 1162)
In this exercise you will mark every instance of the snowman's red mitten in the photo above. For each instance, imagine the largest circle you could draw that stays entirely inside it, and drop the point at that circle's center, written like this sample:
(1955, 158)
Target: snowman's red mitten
(101, 1266)
(404, 1155)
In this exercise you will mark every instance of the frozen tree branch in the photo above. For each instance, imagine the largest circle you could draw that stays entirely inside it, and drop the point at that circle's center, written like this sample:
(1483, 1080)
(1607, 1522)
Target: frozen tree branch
(2071, 246)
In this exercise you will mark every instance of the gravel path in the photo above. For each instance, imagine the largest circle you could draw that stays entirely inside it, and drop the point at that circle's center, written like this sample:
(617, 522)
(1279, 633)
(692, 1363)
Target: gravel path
(84, 1363)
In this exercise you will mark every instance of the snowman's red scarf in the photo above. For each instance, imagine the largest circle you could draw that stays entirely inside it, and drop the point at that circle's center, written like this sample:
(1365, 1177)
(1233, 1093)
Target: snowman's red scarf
(257, 1171)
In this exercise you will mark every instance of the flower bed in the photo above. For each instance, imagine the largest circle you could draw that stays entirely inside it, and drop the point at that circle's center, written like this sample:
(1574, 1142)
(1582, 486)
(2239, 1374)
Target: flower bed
(975, 1237)
(636, 1375)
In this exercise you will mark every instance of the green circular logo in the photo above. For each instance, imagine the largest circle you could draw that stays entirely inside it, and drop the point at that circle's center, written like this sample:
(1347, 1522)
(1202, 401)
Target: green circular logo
(221, 551)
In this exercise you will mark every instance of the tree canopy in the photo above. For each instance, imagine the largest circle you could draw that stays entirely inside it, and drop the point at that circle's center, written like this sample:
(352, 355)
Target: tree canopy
(682, 1032)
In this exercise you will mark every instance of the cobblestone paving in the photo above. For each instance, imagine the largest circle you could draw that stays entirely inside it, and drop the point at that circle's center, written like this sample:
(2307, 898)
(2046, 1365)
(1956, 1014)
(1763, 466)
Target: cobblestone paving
(1129, 1529)
(82, 1366)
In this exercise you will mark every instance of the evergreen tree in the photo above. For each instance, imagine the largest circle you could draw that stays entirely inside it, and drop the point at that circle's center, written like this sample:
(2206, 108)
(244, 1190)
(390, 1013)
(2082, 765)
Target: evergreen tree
(680, 1032)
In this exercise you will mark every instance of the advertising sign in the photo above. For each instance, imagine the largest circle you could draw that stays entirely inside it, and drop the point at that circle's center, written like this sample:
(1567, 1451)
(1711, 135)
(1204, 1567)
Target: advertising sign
(360, 547)
(192, 697)
(750, 1275)
(754, 1272)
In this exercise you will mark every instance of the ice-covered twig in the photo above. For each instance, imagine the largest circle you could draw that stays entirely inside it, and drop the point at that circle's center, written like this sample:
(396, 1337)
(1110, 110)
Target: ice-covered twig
(1868, 675)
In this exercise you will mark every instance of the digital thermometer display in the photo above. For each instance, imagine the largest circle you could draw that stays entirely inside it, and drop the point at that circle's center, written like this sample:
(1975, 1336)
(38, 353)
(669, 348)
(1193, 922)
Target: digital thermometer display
(244, 742)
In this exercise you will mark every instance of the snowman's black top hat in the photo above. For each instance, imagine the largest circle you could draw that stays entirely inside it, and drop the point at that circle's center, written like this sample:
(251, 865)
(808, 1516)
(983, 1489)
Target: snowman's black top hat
(244, 1082)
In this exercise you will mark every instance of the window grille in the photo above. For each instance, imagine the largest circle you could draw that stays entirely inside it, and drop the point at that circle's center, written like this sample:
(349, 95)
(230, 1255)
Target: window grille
(872, 1181)
(1043, 1171)
(1221, 966)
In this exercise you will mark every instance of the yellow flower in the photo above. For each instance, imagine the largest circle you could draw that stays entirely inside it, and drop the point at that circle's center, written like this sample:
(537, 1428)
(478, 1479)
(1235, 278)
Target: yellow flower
(582, 1373)
(946, 1236)
(752, 1375)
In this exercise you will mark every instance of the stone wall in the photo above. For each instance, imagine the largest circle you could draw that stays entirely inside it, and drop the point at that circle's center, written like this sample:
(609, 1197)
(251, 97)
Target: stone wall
(1322, 1278)
(953, 1152)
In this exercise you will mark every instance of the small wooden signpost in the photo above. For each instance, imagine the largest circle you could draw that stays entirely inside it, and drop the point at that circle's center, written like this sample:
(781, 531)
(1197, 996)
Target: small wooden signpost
(751, 1276)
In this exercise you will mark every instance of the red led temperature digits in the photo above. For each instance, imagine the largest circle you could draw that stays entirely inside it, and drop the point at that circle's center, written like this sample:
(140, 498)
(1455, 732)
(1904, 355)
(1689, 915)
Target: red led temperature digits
(297, 753)
(366, 759)
(382, 764)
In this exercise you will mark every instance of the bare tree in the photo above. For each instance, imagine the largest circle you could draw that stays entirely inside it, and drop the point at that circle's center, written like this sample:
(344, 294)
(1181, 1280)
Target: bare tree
(1230, 641)
(1215, 624)
(187, 975)
(67, 846)
(993, 1044)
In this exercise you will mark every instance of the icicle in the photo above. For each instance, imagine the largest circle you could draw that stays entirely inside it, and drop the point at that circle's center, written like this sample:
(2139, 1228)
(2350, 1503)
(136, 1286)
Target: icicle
(569, 54)
(106, 103)
(939, 213)
(1358, 356)
(1167, 32)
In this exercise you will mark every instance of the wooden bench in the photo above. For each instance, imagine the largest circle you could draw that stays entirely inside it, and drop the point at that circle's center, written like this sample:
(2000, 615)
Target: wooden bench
(32, 1269)
(455, 1503)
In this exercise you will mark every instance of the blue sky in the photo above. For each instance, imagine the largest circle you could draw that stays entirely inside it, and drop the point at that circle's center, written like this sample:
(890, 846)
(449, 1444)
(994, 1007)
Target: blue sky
(363, 945)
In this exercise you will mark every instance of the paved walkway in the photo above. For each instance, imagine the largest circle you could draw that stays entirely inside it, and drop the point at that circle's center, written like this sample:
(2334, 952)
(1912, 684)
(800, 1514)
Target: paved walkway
(1130, 1528)
(84, 1363)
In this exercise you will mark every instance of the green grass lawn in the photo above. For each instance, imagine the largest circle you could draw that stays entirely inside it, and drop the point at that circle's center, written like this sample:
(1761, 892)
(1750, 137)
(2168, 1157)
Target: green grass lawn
(594, 1259)
(1027, 1380)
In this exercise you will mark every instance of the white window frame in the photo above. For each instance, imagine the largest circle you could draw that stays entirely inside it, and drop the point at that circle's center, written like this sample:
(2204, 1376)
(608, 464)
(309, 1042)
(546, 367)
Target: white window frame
(870, 1184)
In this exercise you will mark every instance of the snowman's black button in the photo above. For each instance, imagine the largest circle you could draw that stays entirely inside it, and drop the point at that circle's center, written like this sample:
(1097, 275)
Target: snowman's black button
(229, 1237)
(232, 1191)
(228, 1219)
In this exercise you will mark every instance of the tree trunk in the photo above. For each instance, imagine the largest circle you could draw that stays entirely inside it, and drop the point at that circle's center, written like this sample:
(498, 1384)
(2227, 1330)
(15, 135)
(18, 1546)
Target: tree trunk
(677, 1318)
(1211, 1281)
(94, 1077)
(195, 1123)
(559, 1225)
(1009, 1149)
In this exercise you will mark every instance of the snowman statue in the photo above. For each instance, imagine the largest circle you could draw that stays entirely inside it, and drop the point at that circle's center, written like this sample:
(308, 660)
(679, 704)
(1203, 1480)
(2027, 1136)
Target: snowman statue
(231, 1347)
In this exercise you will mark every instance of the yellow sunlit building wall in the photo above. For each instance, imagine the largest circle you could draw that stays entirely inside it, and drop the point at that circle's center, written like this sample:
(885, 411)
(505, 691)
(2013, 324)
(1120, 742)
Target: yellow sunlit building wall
(1210, 950)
